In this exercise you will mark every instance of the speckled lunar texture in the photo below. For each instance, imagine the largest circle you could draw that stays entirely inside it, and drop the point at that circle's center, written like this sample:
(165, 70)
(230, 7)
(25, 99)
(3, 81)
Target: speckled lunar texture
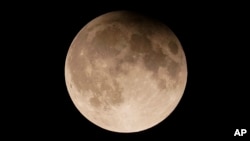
(125, 72)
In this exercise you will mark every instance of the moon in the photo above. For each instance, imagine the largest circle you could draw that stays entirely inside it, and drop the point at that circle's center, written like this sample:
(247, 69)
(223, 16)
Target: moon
(125, 72)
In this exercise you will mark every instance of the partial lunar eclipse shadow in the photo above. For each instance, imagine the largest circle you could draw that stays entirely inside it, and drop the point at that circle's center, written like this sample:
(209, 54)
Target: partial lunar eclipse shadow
(125, 72)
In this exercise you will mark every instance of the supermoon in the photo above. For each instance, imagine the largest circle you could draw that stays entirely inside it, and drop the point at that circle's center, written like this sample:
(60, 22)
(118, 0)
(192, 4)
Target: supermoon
(125, 72)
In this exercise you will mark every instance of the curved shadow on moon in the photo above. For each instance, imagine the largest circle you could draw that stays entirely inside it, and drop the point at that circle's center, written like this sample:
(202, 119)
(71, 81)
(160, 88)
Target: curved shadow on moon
(125, 67)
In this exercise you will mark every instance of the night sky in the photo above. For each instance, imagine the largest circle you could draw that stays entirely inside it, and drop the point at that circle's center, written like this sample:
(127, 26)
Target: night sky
(214, 38)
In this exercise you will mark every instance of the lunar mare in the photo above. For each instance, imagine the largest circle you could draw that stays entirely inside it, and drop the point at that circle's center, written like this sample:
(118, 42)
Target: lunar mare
(125, 72)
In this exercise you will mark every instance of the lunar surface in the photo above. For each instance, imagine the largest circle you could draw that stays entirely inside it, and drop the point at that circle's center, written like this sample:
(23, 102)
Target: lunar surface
(125, 72)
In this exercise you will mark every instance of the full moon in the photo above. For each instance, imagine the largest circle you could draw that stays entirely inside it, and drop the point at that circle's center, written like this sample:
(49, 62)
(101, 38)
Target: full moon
(125, 72)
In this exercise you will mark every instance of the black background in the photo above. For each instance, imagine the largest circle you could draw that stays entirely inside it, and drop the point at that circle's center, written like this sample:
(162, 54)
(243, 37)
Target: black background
(214, 37)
